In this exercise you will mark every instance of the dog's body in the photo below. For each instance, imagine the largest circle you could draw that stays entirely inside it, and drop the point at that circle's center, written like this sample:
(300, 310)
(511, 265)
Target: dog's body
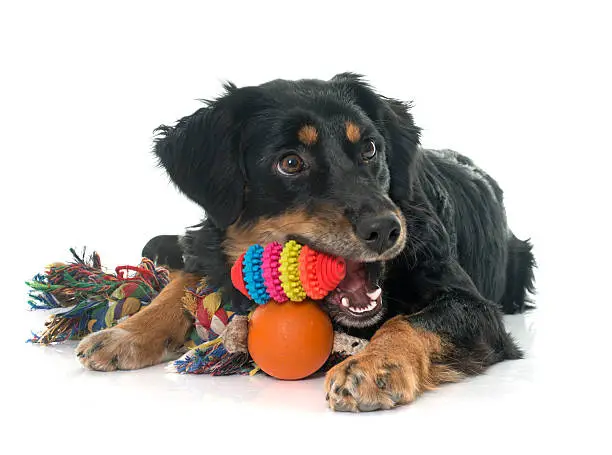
(165, 250)
(431, 260)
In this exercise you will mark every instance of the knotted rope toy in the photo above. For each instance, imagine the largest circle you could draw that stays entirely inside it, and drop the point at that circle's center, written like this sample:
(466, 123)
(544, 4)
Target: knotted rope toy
(84, 299)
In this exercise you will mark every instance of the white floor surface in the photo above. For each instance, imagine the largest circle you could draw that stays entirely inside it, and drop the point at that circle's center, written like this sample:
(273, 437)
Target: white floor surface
(544, 401)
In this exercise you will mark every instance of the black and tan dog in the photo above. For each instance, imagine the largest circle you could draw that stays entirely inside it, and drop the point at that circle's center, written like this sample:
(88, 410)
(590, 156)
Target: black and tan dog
(432, 263)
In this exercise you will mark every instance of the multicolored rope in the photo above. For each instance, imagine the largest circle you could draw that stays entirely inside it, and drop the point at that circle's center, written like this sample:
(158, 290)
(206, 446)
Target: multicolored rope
(210, 352)
(87, 299)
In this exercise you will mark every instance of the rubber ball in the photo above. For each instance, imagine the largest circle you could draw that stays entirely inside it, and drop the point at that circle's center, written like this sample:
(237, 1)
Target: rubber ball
(290, 340)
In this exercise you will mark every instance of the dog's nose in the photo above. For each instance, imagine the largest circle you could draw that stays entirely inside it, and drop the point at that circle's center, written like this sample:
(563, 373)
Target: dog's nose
(380, 233)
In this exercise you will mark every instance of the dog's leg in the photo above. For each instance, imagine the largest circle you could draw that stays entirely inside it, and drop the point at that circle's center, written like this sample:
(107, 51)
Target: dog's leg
(457, 334)
(153, 335)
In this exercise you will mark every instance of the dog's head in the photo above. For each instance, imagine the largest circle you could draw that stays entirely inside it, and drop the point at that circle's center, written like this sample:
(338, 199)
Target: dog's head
(321, 162)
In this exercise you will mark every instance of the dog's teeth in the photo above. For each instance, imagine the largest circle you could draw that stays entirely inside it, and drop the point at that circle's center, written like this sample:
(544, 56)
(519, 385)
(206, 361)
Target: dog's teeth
(374, 294)
(345, 302)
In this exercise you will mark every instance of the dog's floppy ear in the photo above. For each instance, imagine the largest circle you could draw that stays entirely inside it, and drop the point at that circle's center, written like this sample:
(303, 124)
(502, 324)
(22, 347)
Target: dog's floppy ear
(394, 121)
(201, 155)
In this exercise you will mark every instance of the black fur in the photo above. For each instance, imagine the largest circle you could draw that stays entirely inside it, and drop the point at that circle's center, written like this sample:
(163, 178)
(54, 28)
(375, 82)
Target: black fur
(165, 250)
(461, 264)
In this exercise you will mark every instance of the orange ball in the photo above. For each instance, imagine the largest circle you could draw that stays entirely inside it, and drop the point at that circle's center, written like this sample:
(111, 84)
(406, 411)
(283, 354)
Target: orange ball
(290, 340)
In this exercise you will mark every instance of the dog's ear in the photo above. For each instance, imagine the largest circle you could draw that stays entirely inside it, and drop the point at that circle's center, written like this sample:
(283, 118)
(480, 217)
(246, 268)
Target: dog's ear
(202, 157)
(394, 121)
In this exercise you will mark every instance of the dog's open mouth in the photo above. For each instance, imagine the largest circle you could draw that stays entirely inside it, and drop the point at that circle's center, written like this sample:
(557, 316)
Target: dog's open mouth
(358, 294)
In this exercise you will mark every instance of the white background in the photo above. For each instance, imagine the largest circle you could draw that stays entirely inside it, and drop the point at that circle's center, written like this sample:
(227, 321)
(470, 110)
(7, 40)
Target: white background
(524, 89)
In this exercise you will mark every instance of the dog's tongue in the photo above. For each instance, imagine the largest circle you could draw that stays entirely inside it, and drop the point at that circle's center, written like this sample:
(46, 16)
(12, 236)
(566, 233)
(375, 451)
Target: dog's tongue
(353, 291)
(355, 278)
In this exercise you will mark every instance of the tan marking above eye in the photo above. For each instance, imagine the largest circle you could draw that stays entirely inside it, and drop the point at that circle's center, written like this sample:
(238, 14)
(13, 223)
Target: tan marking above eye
(353, 133)
(308, 135)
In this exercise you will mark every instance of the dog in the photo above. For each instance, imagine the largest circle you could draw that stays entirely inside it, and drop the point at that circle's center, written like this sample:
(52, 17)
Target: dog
(431, 262)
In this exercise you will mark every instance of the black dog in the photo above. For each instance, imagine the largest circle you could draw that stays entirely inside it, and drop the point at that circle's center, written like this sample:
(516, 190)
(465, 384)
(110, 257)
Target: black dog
(432, 263)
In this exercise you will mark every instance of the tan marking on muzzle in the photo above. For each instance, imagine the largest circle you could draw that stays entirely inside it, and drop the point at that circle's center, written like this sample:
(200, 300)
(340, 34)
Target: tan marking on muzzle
(327, 229)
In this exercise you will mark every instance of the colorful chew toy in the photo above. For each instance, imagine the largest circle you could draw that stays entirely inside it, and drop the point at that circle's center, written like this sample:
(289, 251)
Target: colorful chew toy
(288, 340)
(286, 272)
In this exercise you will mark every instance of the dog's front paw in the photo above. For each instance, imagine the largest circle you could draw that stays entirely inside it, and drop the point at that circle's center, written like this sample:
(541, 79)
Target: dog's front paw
(118, 349)
(368, 382)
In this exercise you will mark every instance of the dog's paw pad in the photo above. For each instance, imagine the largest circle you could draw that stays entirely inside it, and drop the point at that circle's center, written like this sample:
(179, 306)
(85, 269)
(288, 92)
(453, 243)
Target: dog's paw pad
(117, 349)
(366, 382)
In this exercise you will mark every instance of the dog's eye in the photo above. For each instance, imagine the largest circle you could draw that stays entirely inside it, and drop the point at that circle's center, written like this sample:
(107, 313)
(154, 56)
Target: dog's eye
(290, 164)
(369, 151)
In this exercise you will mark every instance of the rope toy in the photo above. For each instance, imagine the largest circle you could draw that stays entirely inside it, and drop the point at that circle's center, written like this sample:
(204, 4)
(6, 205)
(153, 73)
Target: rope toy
(86, 299)
(286, 272)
